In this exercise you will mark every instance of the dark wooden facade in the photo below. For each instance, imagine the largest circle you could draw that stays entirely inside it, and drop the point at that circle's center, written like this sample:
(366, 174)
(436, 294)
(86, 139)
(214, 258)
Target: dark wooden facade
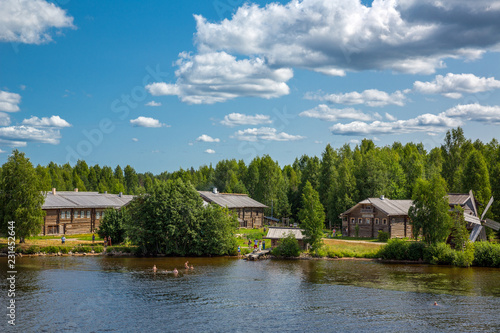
(68, 221)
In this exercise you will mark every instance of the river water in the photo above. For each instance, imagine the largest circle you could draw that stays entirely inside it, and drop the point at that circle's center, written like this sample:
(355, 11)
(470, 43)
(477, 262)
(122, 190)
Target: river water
(106, 294)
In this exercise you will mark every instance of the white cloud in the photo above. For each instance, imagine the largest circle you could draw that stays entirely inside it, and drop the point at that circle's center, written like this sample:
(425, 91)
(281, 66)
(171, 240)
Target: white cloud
(333, 37)
(31, 21)
(4, 119)
(428, 123)
(236, 119)
(153, 103)
(206, 138)
(146, 122)
(475, 112)
(135, 139)
(265, 134)
(210, 151)
(454, 85)
(213, 77)
(9, 102)
(54, 121)
(390, 117)
(12, 143)
(16, 135)
(2, 151)
(370, 97)
(354, 141)
(324, 112)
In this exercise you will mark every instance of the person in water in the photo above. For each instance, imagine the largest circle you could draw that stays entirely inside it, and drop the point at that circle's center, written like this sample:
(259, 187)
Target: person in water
(192, 267)
(186, 265)
(176, 271)
(154, 268)
(436, 303)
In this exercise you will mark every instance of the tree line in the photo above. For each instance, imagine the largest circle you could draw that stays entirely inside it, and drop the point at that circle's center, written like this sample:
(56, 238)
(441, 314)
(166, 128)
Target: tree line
(341, 177)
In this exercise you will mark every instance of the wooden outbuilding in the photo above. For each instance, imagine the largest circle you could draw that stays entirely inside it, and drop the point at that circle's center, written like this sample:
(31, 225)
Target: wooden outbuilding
(73, 212)
(374, 214)
(275, 234)
(250, 212)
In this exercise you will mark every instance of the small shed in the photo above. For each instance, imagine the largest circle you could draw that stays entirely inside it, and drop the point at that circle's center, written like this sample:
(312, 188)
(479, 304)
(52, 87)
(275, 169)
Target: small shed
(275, 234)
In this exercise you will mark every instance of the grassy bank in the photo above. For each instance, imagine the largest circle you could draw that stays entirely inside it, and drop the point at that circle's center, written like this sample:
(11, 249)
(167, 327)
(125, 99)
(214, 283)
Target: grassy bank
(345, 248)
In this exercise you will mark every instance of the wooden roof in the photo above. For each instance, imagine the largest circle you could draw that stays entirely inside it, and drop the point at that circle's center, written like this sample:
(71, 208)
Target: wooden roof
(280, 233)
(388, 206)
(231, 200)
(70, 199)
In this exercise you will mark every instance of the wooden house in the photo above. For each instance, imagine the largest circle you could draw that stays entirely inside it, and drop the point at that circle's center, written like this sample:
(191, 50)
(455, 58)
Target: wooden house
(275, 234)
(73, 212)
(250, 212)
(374, 214)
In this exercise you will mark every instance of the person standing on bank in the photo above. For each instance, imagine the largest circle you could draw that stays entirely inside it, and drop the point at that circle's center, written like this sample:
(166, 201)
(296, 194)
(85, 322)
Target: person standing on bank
(63, 239)
(93, 238)
(109, 240)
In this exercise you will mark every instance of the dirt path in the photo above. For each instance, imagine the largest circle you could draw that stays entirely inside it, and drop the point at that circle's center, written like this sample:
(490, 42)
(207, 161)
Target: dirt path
(333, 241)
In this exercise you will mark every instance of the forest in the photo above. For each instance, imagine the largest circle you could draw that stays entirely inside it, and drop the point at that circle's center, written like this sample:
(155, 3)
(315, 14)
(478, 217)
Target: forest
(342, 176)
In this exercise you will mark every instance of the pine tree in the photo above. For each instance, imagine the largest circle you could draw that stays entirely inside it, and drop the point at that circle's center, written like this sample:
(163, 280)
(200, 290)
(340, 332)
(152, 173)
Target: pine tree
(312, 217)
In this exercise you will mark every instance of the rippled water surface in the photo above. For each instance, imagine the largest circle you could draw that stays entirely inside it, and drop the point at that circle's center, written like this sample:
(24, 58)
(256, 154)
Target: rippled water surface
(101, 294)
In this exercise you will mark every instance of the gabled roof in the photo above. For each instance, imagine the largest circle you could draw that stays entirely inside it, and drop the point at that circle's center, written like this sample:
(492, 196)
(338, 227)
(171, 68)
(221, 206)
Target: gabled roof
(67, 199)
(388, 206)
(458, 198)
(231, 200)
(280, 233)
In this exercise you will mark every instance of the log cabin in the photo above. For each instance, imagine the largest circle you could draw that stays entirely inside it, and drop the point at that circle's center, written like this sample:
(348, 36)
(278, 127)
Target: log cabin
(250, 212)
(276, 234)
(374, 214)
(73, 212)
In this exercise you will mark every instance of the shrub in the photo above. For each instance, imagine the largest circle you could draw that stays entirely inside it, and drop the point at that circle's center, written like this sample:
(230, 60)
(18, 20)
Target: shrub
(440, 253)
(466, 257)
(396, 249)
(321, 252)
(287, 247)
(487, 254)
(415, 250)
(245, 251)
(50, 249)
(383, 236)
(98, 249)
(64, 249)
(32, 249)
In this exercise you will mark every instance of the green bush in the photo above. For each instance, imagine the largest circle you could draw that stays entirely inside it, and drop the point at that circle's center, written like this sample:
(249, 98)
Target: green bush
(383, 236)
(98, 249)
(320, 253)
(415, 251)
(287, 247)
(64, 249)
(50, 249)
(440, 253)
(32, 249)
(396, 249)
(487, 254)
(466, 257)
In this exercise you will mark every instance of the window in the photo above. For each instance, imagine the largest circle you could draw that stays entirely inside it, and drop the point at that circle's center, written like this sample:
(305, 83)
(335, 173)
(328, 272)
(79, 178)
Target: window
(360, 220)
(82, 214)
(376, 221)
(52, 229)
(393, 221)
(384, 221)
(97, 215)
(102, 215)
(68, 214)
(367, 221)
(88, 214)
(353, 220)
(63, 215)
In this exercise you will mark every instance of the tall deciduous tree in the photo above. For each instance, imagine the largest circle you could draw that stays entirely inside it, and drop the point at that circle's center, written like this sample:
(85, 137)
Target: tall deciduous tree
(312, 216)
(21, 198)
(476, 177)
(429, 213)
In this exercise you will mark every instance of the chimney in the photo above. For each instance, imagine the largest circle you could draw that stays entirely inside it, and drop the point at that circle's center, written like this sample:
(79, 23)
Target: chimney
(214, 190)
(53, 191)
(76, 189)
(382, 197)
(120, 194)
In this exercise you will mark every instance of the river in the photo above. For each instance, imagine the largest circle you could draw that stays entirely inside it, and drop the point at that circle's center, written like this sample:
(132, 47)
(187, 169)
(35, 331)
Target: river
(116, 294)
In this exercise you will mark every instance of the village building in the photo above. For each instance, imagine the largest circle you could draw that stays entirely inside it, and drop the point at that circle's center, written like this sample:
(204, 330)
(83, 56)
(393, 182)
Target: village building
(73, 212)
(275, 234)
(374, 214)
(377, 214)
(250, 212)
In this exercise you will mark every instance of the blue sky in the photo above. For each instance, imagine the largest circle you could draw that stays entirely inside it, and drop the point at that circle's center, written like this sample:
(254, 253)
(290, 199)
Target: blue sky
(162, 85)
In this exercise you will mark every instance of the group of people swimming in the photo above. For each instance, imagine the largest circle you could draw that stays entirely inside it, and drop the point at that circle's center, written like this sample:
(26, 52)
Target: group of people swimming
(175, 271)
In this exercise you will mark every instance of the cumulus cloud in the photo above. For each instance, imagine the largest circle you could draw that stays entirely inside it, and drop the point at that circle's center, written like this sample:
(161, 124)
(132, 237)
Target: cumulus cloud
(210, 151)
(370, 97)
(146, 122)
(135, 139)
(18, 135)
(428, 123)
(31, 21)
(333, 37)
(454, 85)
(213, 77)
(475, 112)
(9, 102)
(206, 138)
(237, 119)
(54, 121)
(153, 103)
(264, 134)
(2, 151)
(324, 112)
(4, 119)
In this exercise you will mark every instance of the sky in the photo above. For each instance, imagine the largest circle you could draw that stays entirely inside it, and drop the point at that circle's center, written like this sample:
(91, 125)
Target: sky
(163, 85)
